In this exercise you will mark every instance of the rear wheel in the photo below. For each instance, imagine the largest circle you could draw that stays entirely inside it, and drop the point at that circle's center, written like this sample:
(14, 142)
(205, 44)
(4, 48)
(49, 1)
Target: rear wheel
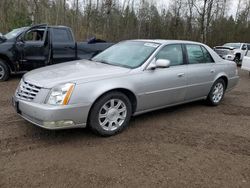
(217, 92)
(4, 71)
(110, 114)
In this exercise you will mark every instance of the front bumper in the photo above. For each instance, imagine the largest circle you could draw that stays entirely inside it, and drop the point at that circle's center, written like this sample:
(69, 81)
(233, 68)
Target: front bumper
(52, 117)
(229, 57)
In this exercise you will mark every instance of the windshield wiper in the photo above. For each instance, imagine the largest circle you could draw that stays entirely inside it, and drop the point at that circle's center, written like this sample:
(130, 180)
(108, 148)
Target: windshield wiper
(105, 62)
(113, 64)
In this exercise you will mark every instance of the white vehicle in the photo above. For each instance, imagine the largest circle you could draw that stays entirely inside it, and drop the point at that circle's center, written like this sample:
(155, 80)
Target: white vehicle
(233, 51)
(246, 64)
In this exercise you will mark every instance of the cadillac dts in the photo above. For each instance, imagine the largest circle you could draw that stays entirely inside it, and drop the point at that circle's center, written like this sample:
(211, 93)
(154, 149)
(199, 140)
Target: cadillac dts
(127, 79)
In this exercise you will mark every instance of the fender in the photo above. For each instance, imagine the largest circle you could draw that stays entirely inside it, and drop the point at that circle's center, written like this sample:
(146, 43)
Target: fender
(223, 75)
(102, 87)
(9, 62)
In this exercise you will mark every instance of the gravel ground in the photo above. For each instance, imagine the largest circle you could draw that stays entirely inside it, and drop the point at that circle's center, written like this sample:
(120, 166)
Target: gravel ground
(191, 145)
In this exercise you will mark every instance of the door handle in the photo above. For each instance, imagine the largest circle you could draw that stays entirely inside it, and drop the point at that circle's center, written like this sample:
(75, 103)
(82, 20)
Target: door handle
(212, 71)
(181, 74)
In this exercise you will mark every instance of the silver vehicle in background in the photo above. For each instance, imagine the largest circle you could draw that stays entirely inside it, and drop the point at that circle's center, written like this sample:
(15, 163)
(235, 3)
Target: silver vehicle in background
(127, 79)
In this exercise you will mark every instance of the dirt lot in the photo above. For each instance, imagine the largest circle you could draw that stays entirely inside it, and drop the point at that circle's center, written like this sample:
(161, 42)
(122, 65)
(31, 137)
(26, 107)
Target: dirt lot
(190, 145)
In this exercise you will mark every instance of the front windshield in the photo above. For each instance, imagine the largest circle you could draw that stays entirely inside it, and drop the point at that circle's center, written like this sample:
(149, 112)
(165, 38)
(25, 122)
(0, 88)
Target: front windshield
(14, 33)
(234, 45)
(130, 54)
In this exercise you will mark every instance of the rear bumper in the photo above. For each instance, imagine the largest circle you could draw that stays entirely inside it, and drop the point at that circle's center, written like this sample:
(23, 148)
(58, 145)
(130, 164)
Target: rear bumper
(52, 117)
(232, 82)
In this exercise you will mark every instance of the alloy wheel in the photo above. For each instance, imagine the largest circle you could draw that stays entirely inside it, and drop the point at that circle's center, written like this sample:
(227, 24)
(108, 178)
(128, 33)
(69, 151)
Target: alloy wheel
(218, 92)
(112, 114)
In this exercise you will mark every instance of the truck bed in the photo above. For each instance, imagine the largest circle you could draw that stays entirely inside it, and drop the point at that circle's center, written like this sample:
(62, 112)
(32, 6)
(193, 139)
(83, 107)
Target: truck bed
(87, 50)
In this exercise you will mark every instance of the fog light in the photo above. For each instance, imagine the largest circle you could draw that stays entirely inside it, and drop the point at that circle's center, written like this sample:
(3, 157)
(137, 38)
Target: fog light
(58, 124)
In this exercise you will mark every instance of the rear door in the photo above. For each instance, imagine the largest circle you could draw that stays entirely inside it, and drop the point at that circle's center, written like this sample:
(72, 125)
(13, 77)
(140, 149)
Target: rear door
(201, 71)
(63, 45)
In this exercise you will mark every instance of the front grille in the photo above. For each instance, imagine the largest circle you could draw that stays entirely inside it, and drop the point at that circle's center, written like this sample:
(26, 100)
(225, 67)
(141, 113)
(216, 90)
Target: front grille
(27, 91)
(221, 52)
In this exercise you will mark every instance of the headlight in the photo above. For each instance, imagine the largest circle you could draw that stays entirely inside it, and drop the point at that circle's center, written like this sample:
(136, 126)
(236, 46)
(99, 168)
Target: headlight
(61, 94)
(231, 52)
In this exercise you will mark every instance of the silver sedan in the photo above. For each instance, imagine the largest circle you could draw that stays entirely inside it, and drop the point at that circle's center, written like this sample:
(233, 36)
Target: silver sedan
(129, 78)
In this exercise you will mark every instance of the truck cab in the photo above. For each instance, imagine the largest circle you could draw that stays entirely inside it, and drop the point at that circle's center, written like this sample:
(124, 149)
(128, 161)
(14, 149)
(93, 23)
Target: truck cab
(233, 51)
(28, 48)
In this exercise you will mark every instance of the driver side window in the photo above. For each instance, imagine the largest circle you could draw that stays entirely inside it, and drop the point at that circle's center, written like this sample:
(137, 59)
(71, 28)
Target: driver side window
(173, 53)
(34, 35)
(244, 47)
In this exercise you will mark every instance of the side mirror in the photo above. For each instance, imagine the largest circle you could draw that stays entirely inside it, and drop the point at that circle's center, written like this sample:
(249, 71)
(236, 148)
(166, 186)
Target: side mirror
(20, 39)
(159, 63)
(162, 63)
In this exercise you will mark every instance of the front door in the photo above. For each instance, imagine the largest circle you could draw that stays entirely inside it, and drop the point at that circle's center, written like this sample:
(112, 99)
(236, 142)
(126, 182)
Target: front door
(34, 48)
(164, 86)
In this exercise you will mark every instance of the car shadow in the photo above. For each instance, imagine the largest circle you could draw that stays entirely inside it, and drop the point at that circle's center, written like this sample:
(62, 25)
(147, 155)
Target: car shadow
(16, 76)
(68, 135)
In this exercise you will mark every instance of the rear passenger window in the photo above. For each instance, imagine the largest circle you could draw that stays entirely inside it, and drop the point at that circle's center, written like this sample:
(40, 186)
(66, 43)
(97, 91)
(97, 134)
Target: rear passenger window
(173, 53)
(207, 56)
(61, 35)
(248, 46)
(195, 54)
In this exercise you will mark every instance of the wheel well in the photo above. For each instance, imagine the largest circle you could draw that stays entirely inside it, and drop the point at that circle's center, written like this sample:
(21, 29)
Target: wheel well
(225, 80)
(238, 55)
(6, 59)
(131, 96)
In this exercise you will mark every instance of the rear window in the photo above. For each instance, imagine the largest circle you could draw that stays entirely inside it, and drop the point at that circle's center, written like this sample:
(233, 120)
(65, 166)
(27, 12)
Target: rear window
(207, 56)
(198, 54)
(61, 35)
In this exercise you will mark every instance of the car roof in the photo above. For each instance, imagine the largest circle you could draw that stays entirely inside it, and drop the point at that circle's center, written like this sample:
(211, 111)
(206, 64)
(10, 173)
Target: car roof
(49, 26)
(161, 41)
(58, 26)
(237, 43)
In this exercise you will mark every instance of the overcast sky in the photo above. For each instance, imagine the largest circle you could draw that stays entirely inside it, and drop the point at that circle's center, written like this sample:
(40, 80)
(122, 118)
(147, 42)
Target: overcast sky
(165, 3)
(232, 7)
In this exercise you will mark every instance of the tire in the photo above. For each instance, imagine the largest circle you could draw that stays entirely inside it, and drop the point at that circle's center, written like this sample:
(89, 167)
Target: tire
(110, 114)
(237, 60)
(4, 71)
(215, 97)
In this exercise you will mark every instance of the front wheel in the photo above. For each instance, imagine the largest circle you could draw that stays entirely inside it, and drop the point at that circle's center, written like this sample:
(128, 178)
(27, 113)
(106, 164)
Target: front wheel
(217, 92)
(4, 71)
(110, 114)
(237, 60)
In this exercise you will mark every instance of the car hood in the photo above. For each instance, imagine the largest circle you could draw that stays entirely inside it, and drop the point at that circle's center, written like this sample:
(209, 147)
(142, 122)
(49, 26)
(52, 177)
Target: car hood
(224, 47)
(78, 72)
(2, 40)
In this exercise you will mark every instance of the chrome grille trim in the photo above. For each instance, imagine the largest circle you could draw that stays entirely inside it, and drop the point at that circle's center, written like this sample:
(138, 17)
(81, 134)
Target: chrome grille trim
(27, 91)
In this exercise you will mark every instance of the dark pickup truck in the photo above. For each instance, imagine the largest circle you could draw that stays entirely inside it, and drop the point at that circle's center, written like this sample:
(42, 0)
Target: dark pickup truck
(27, 48)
